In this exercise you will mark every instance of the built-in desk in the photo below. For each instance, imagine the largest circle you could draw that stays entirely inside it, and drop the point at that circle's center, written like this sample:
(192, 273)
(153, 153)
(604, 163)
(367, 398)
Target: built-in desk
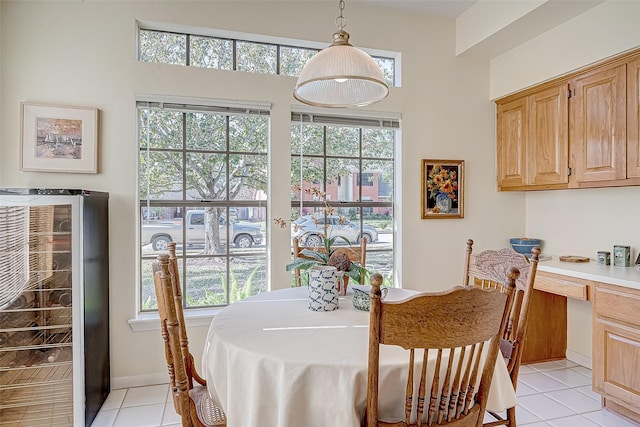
(615, 293)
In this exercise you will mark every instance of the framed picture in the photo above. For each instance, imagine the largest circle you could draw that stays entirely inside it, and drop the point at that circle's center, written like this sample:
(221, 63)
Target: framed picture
(442, 189)
(59, 138)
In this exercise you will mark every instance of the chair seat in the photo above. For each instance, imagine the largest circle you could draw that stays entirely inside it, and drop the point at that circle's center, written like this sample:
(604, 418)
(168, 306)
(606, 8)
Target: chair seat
(209, 412)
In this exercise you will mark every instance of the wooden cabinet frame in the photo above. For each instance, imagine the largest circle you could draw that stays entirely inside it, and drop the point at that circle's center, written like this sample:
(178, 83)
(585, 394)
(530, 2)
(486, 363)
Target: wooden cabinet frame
(590, 138)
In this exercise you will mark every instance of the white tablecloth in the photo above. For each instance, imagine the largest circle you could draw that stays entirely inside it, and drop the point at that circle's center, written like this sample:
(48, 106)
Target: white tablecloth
(270, 361)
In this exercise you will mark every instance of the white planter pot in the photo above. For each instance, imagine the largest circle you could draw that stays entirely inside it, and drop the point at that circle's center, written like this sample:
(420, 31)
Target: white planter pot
(323, 288)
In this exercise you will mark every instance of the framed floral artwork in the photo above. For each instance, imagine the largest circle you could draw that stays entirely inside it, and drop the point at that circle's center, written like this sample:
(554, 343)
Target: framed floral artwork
(59, 138)
(442, 189)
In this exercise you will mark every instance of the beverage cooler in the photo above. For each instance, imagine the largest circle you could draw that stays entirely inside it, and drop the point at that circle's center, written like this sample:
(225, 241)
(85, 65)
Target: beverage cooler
(54, 306)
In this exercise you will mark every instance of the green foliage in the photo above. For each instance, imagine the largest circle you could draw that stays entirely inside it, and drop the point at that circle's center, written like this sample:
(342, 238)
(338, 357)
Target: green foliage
(237, 292)
(312, 258)
(211, 52)
(210, 299)
(150, 303)
(162, 47)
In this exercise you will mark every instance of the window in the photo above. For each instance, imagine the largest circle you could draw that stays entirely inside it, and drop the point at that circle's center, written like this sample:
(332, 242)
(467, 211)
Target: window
(365, 179)
(198, 167)
(333, 154)
(197, 50)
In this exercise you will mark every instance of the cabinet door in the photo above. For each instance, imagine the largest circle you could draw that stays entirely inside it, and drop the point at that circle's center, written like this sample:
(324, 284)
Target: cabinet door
(548, 136)
(598, 139)
(616, 344)
(512, 133)
(616, 354)
(633, 119)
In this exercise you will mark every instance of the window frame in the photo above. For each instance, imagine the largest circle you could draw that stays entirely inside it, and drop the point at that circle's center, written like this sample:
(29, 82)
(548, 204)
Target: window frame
(325, 119)
(184, 107)
(278, 43)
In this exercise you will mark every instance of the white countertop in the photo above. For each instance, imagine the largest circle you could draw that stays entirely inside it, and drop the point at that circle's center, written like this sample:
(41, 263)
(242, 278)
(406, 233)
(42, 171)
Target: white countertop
(628, 277)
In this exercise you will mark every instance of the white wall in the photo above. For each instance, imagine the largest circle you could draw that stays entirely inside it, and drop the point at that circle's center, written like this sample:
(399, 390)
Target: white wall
(82, 53)
(598, 33)
(576, 222)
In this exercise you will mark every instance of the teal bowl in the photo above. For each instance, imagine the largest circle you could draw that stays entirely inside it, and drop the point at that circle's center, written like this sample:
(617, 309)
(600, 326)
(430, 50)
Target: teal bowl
(524, 245)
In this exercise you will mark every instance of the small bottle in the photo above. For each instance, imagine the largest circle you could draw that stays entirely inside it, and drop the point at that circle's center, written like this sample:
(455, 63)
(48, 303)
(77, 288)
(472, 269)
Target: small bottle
(19, 339)
(16, 320)
(61, 261)
(62, 224)
(59, 354)
(27, 358)
(53, 354)
(24, 300)
(621, 256)
(60, 297)
(604, 258)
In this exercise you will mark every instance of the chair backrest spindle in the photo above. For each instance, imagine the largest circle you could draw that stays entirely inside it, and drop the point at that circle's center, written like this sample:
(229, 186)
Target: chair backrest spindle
(193, 404)
(459, 352)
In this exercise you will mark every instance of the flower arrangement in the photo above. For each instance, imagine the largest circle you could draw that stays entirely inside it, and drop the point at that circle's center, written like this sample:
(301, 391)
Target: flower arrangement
(442, 181)
(326, 254)
(316, 193)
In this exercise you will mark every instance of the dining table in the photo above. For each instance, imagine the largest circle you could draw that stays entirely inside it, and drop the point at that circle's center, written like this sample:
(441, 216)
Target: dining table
(271, 361)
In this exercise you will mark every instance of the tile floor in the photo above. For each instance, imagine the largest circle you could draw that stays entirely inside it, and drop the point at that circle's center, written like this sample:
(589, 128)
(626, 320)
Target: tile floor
(554, 394)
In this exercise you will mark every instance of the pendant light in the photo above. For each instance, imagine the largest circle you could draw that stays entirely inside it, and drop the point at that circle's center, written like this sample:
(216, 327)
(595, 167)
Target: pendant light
(340, 75)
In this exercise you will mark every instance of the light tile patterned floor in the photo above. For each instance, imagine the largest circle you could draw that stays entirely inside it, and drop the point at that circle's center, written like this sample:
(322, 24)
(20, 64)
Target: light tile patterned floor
(556, 394)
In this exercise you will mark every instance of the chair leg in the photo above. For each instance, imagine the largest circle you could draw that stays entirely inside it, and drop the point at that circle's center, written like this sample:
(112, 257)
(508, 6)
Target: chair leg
(511, 417)
(509, 420)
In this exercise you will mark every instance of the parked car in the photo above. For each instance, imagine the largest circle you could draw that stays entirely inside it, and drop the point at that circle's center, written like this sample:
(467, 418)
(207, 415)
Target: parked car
(244, 234)
(310, 231)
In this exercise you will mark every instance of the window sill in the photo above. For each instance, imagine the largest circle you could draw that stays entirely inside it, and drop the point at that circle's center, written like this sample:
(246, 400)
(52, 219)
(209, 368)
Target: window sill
(151, 322)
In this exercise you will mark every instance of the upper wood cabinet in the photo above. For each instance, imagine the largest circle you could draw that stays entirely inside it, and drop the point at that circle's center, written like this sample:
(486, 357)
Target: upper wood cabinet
(533, 140)
(548, 136)
(513, 130)
(633, 119)
(598, 125)
(580, 130)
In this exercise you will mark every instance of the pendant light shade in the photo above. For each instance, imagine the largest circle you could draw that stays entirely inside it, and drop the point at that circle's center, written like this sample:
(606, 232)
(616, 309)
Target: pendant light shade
(341, 76)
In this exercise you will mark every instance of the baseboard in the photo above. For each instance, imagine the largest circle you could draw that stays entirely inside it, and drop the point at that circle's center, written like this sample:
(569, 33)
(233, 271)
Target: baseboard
(578, 358)
(139, 380)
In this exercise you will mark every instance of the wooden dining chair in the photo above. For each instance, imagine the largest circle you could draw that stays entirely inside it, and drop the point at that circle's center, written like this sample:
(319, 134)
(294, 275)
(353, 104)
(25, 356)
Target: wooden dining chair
(462, 322)
(354, 253)
(487, 270)
(192, 403)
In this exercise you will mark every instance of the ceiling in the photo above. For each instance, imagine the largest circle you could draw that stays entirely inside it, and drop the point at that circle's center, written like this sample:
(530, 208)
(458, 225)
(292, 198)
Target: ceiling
(448, 8)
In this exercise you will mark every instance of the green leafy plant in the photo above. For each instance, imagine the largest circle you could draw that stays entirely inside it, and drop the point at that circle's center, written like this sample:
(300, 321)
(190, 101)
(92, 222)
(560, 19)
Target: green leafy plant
(327, 254)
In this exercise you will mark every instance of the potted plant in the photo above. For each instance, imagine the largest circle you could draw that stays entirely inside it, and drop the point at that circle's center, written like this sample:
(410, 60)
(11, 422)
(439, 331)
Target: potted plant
(328, 254)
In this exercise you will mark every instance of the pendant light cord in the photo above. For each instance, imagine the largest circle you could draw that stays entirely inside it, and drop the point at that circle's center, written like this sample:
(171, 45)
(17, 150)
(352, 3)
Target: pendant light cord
(341, 21)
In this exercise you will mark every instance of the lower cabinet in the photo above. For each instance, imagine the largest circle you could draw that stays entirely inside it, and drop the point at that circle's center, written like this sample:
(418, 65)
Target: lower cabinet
(616, 348)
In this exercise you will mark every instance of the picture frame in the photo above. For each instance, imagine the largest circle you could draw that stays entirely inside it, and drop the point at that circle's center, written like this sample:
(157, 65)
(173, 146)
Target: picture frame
(442, 186)
(56, 138)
